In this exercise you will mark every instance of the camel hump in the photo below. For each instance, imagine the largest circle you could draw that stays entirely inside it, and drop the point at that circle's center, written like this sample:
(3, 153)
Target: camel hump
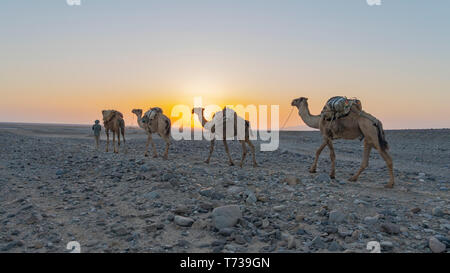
(153, 111)
(110, 114)
(340, 106)
(151, 114)
(119, 114)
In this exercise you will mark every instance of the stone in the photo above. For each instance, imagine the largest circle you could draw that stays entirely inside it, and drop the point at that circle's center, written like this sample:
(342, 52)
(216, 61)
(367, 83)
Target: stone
(336, 217)
(435, 245)
(437, 212)
(415, 210)
(390, 228)
(183, 221)
(318, 243)
(291, 180)
(371, 220)
(239, 239)
(334, 247)
(226, 216)
(251, 198)
(291, 242)
(233, 190)
(279, 208)
(323, 178)
(226, 232)
(152, 195)
(344, 232)
(386, 245)
(60, 172)
(207, 192)
(331, 229)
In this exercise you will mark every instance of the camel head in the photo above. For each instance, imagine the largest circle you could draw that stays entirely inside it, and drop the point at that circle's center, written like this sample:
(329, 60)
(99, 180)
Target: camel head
(298, 102)
(137, 112)
(107, 114)
(198, 110)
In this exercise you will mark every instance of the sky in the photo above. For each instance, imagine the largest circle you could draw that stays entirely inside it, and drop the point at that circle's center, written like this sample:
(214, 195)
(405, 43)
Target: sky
(64, 64)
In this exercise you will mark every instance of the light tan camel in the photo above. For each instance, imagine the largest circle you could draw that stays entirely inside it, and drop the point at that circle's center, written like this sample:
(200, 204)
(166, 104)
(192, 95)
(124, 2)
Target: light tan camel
(357, 124)
(113, 121)
(200, 114)
(154, 123)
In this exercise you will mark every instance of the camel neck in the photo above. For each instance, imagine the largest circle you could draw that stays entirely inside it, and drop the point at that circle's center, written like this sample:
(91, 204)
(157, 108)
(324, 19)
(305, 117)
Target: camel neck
(202, 120)
(139, 120)
(310, 120)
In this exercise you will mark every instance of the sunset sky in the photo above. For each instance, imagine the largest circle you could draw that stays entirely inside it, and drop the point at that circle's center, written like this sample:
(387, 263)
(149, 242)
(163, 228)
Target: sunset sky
(64, 64)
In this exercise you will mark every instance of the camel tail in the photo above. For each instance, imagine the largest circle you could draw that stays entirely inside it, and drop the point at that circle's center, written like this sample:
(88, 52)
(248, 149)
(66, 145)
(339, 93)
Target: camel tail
(380, 132)
(167, 127)
(122, 128)
(381, 137)
(250, 131)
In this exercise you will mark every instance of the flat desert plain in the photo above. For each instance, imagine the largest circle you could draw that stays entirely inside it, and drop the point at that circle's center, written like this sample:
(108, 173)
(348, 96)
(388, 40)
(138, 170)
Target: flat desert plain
(55, 187)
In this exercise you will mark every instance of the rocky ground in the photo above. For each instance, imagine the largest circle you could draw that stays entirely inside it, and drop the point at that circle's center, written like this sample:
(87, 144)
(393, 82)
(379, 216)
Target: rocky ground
(55, 188)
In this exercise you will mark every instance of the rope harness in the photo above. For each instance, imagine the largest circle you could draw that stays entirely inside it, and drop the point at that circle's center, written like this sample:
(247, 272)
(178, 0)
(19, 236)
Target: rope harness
(287, 119)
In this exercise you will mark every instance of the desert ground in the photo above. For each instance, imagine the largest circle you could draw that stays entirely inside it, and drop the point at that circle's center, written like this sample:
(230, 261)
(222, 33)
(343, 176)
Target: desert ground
(55, 187)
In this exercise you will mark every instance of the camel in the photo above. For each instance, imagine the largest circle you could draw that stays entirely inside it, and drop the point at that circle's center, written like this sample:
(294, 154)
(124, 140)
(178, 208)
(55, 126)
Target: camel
(357, 124)
(154, 122)
(200, 114)
(113, 120)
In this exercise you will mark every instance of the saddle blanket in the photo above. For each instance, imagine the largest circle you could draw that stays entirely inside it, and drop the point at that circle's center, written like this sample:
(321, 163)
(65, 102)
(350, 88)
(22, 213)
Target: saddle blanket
(338, 107)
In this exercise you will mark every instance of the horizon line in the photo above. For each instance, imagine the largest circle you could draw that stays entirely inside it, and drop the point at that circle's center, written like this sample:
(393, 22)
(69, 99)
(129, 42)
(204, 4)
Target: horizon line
(288, 129)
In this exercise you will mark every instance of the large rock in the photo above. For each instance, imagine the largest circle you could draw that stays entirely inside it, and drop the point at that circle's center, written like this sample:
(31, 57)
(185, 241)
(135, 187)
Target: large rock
(436, 246)
(226, 216)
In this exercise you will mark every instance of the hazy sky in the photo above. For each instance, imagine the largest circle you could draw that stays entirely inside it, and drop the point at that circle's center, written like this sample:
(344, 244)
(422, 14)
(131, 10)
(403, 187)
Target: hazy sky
(61, 63)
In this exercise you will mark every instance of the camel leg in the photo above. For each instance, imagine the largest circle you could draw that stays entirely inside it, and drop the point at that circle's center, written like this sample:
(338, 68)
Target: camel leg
(244, 152)
(107, 140)
(385, 155)
(114, 142)
(150, 139)
(124, 143)
(252, 147)
(365, 161)
(118, 140)
(166, 152)
(228, 152)
(333, 159)
(211, 149)
(318, 152)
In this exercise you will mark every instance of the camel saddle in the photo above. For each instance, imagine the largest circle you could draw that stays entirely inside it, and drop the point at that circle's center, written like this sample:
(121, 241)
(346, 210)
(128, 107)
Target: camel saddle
(339, 107)
(151, 114)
